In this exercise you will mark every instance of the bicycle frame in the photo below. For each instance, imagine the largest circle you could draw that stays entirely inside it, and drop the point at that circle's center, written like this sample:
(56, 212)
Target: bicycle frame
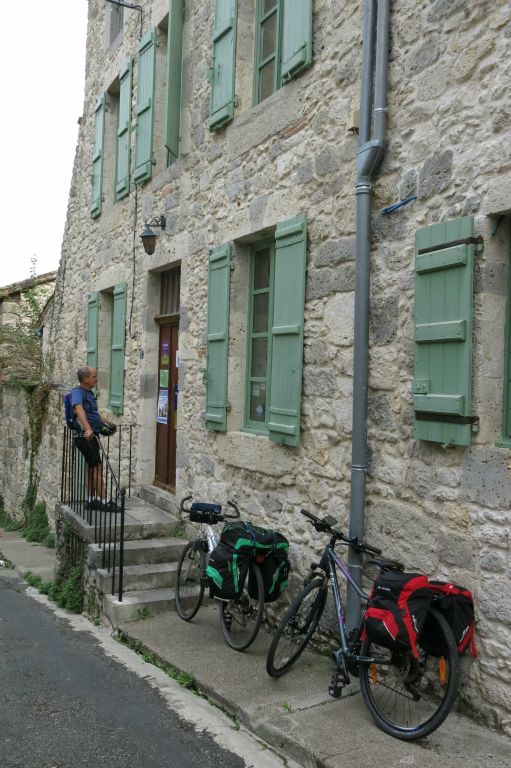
(329, 563)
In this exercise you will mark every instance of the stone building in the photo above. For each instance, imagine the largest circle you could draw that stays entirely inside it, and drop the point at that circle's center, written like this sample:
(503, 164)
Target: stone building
(230, 346)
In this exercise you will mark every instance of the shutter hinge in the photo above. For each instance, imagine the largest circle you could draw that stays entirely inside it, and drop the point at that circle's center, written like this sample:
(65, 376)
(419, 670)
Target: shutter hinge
(236, 101)
(448, 418)
(477, 241)
(228, 406)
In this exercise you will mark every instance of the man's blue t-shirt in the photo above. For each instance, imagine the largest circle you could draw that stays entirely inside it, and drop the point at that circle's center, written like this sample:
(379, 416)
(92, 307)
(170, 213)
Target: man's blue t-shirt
(85, 397)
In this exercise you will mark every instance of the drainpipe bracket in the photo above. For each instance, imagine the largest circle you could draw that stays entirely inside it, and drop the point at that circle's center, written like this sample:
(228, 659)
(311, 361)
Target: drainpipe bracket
(369, 157)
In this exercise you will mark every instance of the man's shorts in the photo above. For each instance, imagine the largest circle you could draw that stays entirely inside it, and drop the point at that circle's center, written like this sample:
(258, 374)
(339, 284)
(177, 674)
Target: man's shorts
(90, 450)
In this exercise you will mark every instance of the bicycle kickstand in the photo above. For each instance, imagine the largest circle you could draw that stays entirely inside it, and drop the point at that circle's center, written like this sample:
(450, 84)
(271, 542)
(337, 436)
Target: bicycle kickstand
(340, 678)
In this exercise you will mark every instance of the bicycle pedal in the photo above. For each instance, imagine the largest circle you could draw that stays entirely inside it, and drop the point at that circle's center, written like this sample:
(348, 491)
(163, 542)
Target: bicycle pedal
(335, 691)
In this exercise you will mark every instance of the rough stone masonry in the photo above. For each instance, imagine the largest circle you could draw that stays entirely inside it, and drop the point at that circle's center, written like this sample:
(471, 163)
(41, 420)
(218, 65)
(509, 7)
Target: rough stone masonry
(444, 511)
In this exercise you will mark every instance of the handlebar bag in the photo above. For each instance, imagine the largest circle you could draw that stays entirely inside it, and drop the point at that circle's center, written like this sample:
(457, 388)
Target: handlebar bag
(397, 609)
(456, 604)
(226, 571)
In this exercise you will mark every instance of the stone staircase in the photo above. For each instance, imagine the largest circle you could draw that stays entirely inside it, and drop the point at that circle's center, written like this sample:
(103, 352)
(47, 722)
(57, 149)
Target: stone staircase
(151, 553)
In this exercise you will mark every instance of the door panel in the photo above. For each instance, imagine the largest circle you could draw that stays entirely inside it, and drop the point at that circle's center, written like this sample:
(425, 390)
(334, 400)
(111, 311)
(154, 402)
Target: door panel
(166, 416)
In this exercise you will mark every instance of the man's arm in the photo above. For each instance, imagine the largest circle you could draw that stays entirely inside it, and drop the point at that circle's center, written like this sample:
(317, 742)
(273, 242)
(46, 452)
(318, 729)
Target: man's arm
(83, 421)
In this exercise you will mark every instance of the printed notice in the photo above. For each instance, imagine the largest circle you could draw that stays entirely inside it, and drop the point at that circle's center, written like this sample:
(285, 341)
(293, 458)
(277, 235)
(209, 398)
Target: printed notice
(163, 406)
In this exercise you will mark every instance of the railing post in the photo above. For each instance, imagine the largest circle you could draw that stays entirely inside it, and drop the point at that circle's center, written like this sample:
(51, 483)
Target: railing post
(121, 544)
(129, 470)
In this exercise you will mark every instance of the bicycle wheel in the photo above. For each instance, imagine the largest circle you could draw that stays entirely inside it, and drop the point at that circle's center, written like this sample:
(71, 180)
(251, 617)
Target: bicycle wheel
(407, 697)
(189, 580)
(296, 628)
(240, 619)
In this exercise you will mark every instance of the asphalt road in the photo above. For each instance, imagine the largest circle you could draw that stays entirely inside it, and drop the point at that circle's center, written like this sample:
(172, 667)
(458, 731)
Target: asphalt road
(66, 703)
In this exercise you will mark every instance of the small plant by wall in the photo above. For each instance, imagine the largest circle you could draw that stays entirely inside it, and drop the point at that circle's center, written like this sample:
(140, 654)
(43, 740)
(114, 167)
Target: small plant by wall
(34, 526)
(67, 589)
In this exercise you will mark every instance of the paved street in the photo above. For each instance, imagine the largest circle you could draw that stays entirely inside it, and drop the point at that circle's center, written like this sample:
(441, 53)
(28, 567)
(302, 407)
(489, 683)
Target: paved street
(66, 702)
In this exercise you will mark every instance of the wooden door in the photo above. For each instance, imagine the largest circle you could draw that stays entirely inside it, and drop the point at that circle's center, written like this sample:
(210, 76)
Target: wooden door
(166, 415)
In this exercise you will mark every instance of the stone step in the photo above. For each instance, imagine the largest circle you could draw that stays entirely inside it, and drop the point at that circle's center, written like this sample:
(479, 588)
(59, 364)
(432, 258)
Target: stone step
(159, 498)
(141, 521)
(139, 604)
(141, 551)
(139, 577)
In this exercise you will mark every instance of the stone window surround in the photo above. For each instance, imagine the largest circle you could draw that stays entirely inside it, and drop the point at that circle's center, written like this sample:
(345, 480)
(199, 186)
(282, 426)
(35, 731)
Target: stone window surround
(497, 206)
(114, 18)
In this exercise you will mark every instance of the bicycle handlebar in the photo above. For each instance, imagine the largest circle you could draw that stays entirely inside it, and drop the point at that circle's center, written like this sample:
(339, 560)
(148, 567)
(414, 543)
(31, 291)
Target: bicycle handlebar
(326, 524)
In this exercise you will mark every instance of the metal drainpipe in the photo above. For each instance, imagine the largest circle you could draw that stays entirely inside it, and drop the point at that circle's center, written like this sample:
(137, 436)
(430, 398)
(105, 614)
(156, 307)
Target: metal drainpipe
(369, 157)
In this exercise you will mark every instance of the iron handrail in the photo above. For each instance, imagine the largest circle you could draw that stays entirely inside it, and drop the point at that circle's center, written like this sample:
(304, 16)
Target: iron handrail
(106, 515)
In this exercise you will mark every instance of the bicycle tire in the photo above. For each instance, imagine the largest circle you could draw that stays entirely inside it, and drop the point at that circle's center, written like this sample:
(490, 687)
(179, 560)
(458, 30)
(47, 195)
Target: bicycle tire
(296, 628)
(241, 618)
(190, 580)
(390, 695)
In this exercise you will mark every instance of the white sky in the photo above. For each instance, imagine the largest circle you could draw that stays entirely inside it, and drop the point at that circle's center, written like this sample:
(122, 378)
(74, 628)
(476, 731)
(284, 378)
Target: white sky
(42, 67)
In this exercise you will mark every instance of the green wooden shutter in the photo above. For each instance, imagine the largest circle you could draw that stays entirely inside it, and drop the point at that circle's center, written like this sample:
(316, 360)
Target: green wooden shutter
(287, 331)
(219, 278)
(145, 107)
(97, 157)
(122, 168)
(92, 330)
(444, 268)
(116, 394)
(224, 64)
(296, 38)
(174, 67)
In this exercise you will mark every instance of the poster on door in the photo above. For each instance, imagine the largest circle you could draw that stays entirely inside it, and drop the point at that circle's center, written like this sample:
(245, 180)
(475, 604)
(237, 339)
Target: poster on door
(163, 407)
(165, 355)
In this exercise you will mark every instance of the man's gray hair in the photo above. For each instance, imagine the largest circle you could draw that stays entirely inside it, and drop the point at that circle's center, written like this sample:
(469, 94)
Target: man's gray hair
(83, 372)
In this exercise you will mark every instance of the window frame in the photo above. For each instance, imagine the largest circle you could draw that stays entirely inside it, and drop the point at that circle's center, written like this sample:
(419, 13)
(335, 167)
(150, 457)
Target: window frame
(260, 63)
(249, 425)
(506, 393)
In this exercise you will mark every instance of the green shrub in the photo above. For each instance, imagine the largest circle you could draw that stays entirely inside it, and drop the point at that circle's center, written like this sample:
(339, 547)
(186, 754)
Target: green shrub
(67, 590)
(8, 523)
(36, 526)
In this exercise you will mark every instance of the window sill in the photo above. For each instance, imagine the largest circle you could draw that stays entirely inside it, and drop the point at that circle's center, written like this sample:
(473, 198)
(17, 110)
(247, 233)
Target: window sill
(255, 431)
(504, 442)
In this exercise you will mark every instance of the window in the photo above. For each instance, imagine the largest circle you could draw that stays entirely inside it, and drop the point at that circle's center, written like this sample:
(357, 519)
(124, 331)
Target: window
(170, 291)
(106, 321)
(273, 370)
(506, 404)
(122, 150)
(262, 262)
(282, 39)
(267, 65)
(97, 157)
(145, 107)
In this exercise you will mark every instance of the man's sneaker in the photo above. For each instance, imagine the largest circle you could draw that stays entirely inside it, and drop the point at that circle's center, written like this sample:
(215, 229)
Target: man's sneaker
(109, 506)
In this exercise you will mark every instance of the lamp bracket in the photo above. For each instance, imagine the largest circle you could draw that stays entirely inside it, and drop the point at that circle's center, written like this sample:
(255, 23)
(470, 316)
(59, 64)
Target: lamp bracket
(157, 221)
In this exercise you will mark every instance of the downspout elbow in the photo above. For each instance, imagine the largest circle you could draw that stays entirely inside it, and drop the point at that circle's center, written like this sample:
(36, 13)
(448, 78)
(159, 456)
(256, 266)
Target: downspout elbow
(369, 159)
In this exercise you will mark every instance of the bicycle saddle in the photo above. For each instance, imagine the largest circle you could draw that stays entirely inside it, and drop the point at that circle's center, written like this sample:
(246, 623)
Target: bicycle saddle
(386, 565)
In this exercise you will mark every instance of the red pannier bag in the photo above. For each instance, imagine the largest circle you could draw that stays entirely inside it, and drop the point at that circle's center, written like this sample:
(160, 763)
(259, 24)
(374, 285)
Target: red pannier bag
(397, 609)
(456, 604)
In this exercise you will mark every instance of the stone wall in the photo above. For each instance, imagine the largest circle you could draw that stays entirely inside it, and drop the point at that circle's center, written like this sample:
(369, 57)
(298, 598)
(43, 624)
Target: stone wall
(443, 511)
(14, 449)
